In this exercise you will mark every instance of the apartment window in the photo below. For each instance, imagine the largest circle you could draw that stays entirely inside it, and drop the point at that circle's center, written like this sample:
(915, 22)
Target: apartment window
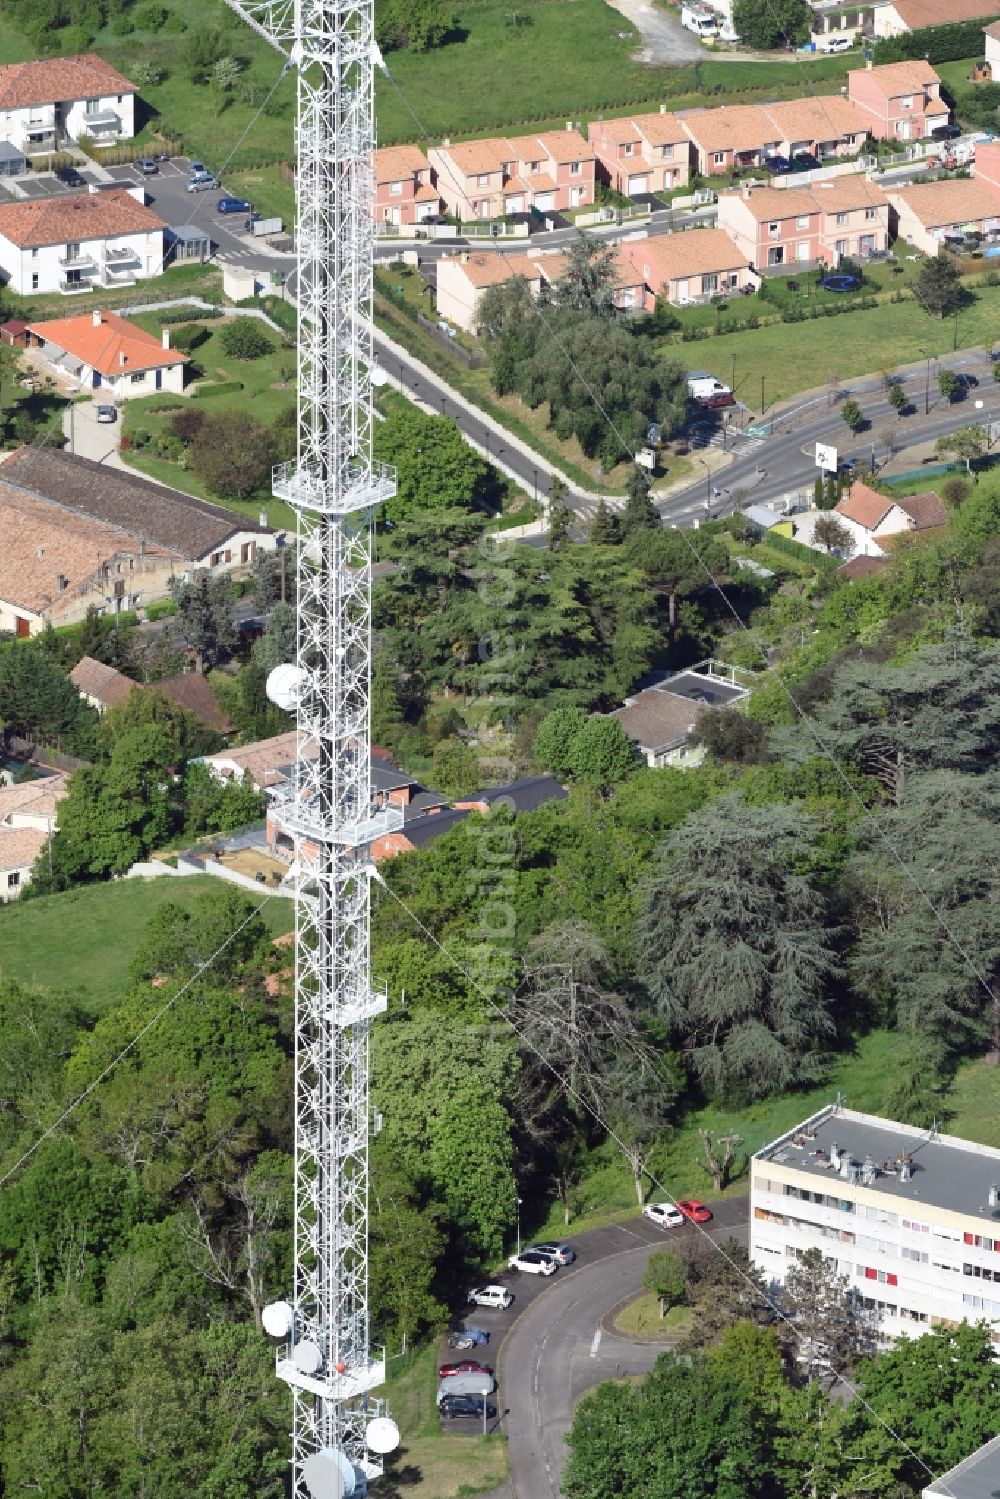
(907, 1314)
(137, 379)
(841, 247)
(841, 220)
(482, 179)
(228, 555)
(34, 252)
(802, 222)
(906, 102)
(629, 149)
(34, 282)
(869, 215)
(119, 98)
(774, 228)
(93, 105)
(915, 1227)
(666, 152)
(574, 169)
(881, 1246)
(918, 1256)
(884, 1277)
(709, 284)
(214, 560)
(395, 188)
(72, 250)
(980, 1241)
(719, 158)
(13, 880)
(879, 1215)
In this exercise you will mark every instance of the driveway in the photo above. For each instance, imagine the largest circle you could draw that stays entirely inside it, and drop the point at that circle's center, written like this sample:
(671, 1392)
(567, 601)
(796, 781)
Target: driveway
(664, 39)
(89, 438)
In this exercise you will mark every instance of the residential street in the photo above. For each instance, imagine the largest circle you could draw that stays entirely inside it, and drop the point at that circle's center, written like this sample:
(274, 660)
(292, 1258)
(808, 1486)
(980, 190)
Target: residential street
(558, 1349)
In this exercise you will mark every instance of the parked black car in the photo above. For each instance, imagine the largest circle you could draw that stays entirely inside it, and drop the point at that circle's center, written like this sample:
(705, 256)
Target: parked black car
(451, 1406)
(804, 161)
(70, 176)
(967, 382)
(945, 133)
(776, 165)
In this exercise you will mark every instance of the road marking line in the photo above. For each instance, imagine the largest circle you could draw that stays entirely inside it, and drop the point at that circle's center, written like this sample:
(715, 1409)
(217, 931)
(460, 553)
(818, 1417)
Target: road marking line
(596, 1343)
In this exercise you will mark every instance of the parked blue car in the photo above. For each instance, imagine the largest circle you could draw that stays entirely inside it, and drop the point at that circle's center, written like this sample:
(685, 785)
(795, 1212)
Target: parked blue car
(233, 205)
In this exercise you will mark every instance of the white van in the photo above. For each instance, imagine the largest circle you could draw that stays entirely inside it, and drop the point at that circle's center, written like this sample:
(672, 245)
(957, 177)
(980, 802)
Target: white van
(704, 386)
(478, 1385)
(700, 20)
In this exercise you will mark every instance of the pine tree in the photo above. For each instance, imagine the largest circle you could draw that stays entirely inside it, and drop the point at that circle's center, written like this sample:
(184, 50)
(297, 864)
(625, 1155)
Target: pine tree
(640, 513)
(605, 529)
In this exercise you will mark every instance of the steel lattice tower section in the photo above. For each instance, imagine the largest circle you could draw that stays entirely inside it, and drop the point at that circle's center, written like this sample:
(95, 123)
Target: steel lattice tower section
(327, 806)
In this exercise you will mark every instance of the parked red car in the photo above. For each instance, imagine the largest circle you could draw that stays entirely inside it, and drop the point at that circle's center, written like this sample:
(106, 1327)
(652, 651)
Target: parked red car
(464, 1366)
(696, 1211)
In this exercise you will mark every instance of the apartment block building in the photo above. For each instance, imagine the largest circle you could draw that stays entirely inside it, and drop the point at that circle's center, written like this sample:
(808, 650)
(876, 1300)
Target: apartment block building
(911, 1217)
(45, 104)
(641, 154)
(488, 179)
(404, 193)
(898, 101)
(79, 242)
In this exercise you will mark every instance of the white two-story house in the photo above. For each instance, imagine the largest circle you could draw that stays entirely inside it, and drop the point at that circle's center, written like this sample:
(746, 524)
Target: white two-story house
(44, 104)
(79, 242)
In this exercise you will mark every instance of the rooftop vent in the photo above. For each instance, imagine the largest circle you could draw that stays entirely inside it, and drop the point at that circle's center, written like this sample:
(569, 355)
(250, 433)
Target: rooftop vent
(994, 1197)
(835, 1156)
(905, 1168)
(869, 1171)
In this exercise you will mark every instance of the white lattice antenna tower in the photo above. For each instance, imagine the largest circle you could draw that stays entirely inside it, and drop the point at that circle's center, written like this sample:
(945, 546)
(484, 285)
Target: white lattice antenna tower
(327, 807)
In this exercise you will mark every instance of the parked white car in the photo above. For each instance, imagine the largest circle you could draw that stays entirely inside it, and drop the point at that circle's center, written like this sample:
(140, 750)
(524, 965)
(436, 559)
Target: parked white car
(534, 1262)
(494, 1296)
(663, 1214)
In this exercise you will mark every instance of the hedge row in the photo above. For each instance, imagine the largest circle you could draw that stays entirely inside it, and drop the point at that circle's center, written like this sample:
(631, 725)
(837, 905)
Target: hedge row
(223, 388)
(945, 43)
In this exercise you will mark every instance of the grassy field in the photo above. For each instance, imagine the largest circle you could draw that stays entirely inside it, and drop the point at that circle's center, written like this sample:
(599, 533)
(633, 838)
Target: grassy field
(82, 942)
(430, 1464)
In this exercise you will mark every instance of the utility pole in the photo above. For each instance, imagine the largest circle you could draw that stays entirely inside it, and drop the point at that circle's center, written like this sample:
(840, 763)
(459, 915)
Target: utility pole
(333, 485)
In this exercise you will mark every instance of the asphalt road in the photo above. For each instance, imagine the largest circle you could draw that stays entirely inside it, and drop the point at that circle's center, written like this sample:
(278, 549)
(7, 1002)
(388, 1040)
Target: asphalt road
(555, 1348)
(787, 458)
(664, 39)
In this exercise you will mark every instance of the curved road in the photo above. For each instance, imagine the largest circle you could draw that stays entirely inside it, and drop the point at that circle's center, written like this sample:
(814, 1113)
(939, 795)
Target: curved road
(556, 1348)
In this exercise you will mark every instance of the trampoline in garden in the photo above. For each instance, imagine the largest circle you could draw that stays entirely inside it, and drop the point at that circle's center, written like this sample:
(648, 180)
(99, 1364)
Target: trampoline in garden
(840, 283)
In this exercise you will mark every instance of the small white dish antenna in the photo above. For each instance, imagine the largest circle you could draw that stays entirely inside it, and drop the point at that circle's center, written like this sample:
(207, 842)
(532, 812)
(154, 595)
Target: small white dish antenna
(306, 1357)
(283, 686)
(277, 1319)
(382, 1435)
(378, 376)
(329, 1474)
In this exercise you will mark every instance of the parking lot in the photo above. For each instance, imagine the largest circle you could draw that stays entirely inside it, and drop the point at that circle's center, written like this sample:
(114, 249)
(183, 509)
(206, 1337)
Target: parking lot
(167, 195)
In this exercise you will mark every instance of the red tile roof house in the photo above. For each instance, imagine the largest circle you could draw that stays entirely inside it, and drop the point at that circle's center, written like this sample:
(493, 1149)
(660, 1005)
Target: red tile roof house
(784, 226)
(76, 534)
(638, 154)
(487, 179)
(898, 101)
(463, 280)
(691, 266)
(27, 821)
(79, 242)
(630, 287)
(44, 104)
(827, 126)
(875, 520)
(903, 16)
(106, 352)
(404, 192)
(101, 686)
(731, 137)
(928, 214)
(772, 226)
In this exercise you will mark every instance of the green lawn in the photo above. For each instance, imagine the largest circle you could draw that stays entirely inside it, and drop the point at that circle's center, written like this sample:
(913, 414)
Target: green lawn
(82, 942)
(794, 357)
(431, 1463)
(177, 281)
(640, 1318)
(268, 389)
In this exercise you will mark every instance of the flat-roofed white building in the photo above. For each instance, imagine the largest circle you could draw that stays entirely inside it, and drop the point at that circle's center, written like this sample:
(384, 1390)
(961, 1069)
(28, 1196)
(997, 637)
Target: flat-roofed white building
(910, 1216)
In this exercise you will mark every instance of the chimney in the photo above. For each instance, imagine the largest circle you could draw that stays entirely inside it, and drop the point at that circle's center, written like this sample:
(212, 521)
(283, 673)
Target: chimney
(846, 1165)
(166, 338)
(122, 358)
(994, 1197)
(905, 1168)
(96, 317)
(835, 1156)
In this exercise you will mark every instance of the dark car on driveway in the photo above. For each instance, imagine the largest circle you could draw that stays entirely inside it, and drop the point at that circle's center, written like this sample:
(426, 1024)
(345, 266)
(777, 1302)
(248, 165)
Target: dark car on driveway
(777, 165)
(451, 1406)
(804, 161)
(945, 133)
(70, 176)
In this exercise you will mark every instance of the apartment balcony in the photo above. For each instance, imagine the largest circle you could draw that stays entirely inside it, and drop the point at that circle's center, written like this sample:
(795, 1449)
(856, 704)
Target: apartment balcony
(68, 287)
(117, 276)
(122, 255)
(38, 139)
(79, 260)
(103, 122)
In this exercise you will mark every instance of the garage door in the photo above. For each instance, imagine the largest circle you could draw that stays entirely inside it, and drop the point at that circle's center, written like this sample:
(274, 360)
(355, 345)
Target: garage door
(637, 185)
(545, 202)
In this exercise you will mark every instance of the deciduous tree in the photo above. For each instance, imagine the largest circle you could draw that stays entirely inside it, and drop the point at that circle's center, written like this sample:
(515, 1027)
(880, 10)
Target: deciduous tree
(938, 287)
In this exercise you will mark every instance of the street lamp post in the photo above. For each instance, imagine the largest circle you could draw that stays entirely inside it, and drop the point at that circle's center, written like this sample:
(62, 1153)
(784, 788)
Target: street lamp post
(927, 382)
(519, 1227)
